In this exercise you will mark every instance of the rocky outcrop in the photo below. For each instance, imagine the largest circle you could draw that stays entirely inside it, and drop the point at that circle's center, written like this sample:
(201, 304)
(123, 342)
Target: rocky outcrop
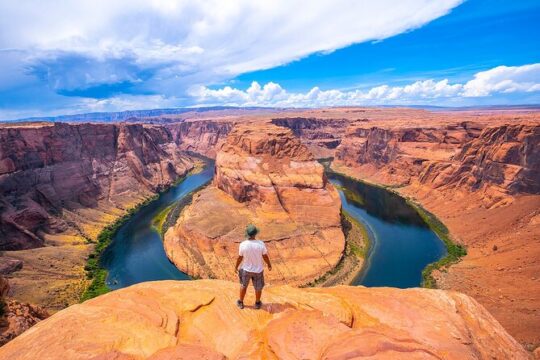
(321, 135)
(266, 176)
(15, 317)
(50, 175)
(203, 137)
(504, 158)
(398, 155)
(198, 319)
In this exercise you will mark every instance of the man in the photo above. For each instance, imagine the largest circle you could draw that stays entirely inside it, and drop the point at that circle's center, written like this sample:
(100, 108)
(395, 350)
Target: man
(251, 254)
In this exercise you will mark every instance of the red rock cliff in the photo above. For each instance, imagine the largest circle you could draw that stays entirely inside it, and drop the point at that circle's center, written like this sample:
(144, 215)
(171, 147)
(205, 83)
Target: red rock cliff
(49, 175)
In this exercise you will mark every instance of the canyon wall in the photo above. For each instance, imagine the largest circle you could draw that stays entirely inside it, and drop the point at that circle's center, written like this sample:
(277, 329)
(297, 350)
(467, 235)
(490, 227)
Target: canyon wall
(50, 175)
(203, 137)
(266, 176)
(60, 185)
(199, 320)
(321, 136)
(483, 182)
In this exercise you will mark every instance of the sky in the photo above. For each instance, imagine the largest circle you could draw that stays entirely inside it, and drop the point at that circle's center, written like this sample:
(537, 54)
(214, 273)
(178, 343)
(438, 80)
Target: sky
(69, 57)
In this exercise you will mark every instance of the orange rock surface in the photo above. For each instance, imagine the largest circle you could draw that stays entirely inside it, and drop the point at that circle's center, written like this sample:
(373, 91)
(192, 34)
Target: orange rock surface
(199, 319)
(266, 176)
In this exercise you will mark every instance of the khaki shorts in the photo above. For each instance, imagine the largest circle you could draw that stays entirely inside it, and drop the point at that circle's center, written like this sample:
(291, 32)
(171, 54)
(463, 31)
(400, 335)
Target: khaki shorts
(257, 278)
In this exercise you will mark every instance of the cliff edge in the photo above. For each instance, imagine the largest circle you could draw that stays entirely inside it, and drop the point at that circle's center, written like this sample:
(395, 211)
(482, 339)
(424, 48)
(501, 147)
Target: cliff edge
(199, 319)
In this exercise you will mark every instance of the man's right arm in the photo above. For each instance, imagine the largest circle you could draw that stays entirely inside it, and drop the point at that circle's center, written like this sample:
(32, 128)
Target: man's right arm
(267, 261)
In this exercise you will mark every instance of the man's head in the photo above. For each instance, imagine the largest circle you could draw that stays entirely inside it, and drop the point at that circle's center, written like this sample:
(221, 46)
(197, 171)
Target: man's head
(251, 231)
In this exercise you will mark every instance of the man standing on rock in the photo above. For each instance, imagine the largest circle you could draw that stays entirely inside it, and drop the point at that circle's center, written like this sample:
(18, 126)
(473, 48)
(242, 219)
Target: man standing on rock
(251, 254)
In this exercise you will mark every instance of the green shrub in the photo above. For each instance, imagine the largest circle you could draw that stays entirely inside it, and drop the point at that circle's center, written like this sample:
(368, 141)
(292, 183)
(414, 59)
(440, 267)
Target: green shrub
(454, 251)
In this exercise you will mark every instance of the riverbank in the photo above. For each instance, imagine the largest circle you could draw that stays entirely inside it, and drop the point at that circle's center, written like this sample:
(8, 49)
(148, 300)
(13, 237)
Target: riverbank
(351, 264)
(96, 274)
(164, 219)
(454, 251)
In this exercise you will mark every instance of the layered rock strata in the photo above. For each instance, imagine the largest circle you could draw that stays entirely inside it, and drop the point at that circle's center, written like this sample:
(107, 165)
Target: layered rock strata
(483, 183)
(51, 176)
(266, 176)
(60, 185)
(199, 319)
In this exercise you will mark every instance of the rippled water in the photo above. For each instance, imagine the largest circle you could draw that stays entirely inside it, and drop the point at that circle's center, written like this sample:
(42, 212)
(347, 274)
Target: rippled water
(402, 244)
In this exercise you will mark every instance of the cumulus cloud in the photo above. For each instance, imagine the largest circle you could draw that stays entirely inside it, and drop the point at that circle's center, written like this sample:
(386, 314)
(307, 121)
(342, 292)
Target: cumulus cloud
(502, 79)
(165, 46)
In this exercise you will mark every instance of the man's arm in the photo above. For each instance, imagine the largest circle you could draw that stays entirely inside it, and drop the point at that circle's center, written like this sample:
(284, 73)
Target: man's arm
(267, 261)
(238, 262)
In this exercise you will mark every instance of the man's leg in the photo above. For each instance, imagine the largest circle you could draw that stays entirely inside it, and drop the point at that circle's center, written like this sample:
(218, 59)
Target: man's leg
(258, 294)
(242, 292)
(243, 288)
(258, 283)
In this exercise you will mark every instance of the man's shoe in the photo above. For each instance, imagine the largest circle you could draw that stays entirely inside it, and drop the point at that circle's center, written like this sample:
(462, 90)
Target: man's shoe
(240, 304)
(258, 305)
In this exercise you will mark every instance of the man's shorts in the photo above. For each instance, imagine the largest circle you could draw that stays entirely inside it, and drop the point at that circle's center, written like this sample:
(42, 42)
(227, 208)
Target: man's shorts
(257, 278)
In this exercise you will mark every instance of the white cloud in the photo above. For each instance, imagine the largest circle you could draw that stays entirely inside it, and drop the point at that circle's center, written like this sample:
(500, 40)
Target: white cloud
(168, 45)
(498, 80)
(504, 79)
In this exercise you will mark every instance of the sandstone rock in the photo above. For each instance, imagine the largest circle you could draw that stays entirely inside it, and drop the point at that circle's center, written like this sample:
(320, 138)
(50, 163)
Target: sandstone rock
(201, 136)
(264, 175)
(9, 265)
(50, 174)
(198, 319)
(18, 318)
(15, 318)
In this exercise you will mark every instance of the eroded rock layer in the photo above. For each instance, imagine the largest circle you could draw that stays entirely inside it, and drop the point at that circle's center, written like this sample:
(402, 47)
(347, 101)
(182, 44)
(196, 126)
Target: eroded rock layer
(199, 319)
(266, 176)
(50, 175)
(60, 185)
(482, 181)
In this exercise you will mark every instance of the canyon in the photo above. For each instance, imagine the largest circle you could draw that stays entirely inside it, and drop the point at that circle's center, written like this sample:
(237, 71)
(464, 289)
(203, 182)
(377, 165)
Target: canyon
(198, 319)
(265, 176)
(477, 171)
(61, 185)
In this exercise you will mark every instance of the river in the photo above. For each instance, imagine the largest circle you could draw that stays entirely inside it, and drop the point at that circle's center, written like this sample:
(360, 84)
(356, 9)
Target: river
(401, 243)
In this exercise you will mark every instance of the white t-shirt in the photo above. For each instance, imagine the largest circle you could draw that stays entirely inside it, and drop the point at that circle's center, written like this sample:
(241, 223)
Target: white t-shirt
(252, 251)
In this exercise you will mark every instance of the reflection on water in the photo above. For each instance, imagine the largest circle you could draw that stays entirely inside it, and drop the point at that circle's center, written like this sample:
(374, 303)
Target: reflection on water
(401, 242)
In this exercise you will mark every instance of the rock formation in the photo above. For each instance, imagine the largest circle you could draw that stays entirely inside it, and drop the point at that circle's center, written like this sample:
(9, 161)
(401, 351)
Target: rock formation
(15, 317)
(60, 184)
(482, 182)
(321, 136)
(49, 175)
(265, 176)
(202, 136)
(199, 319)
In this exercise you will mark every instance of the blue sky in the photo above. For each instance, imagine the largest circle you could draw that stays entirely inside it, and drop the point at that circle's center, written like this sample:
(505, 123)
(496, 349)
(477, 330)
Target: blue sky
(85, 56)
